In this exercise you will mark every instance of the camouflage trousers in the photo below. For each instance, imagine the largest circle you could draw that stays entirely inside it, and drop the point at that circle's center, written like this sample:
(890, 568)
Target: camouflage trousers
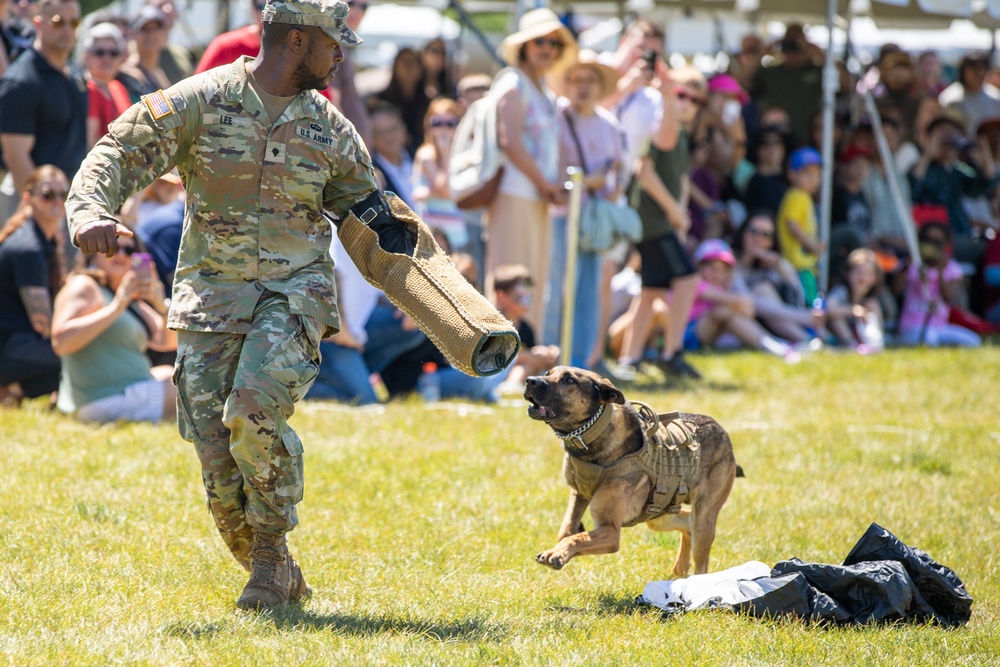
(235, 394)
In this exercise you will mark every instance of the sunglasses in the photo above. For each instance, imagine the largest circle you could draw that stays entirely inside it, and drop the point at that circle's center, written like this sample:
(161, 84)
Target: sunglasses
(105, 53)
(763, 233)
(443, 122)
(53, 195)
(127, 249)
(684, 95)
(554, 42)
(58, 21)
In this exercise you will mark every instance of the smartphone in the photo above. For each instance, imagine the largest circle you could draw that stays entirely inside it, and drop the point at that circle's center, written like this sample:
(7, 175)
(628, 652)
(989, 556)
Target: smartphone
(142, 264)
(650, 57)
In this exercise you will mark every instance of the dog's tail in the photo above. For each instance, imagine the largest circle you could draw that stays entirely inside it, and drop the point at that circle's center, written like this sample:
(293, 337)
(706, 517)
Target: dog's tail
(739, 470)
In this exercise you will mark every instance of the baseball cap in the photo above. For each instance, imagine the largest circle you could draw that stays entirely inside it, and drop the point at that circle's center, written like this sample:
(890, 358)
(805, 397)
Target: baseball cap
(856, 150)
(330, 15)
(724, 83)
(714, 249)
(508, 276)
(149, 14)
(948, 116)
(895, 59)
(804, 157)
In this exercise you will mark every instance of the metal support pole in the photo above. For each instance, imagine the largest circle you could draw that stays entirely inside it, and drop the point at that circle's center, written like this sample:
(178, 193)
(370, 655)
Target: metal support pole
(903, 211)
(574, 183)
(889, 162)
(466, 21)
(831, 83)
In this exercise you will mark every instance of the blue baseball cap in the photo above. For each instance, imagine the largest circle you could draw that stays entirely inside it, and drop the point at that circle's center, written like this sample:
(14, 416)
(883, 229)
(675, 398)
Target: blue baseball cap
(804, 157)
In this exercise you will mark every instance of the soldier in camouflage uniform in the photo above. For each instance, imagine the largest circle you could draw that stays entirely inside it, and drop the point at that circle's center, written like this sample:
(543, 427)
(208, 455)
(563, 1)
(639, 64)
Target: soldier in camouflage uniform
(261, 154)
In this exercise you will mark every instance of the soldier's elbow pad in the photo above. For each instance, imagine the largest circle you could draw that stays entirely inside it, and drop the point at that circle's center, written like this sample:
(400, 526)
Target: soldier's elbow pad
(395, 251)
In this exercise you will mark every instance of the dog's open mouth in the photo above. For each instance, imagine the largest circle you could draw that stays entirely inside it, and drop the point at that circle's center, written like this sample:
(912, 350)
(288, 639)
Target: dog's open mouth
(536, 411)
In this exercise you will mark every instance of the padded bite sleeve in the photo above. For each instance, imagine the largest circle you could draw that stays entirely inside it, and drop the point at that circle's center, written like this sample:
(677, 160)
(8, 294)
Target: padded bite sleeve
(395, 251)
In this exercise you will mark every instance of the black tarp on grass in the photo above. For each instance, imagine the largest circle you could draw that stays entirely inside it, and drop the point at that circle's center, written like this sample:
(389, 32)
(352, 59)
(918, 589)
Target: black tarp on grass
(882, 579)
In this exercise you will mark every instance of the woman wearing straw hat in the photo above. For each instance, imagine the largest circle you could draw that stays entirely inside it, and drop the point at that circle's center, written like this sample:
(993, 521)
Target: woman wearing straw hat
(518, 218)
(591, 138)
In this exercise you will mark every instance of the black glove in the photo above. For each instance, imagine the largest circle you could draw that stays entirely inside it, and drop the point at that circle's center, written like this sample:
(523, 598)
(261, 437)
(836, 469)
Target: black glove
(393, 235)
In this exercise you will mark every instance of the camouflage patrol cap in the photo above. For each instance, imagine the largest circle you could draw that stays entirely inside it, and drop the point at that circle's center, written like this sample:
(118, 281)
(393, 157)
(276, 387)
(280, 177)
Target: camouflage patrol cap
(330, 15)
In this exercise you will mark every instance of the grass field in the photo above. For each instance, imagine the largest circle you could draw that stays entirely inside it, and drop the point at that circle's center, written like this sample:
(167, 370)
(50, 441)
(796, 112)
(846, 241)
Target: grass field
(420, 525)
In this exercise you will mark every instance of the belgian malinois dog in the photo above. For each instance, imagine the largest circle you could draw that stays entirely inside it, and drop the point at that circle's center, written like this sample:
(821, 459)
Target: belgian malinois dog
(573, 402)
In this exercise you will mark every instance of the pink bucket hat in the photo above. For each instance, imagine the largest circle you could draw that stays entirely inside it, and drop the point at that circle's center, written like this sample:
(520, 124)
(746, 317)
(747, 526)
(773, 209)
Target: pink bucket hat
(723, 83)
(714, 249)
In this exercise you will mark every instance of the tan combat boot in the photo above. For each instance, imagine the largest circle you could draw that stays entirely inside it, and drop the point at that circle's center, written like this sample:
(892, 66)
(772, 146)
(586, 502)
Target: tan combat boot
(275, 577)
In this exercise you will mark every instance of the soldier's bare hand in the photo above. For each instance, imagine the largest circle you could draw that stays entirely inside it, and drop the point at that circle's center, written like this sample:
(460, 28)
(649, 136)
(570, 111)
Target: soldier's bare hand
(101, 236)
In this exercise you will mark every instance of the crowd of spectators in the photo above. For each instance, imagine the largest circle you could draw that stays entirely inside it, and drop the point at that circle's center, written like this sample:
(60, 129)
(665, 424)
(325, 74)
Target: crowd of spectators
(723, 168)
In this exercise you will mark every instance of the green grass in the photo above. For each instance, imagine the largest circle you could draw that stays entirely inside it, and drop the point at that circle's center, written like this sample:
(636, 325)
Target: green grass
(420, 525)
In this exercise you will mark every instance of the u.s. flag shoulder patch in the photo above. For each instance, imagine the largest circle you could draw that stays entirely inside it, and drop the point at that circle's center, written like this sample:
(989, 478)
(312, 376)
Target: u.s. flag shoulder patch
(159, 106)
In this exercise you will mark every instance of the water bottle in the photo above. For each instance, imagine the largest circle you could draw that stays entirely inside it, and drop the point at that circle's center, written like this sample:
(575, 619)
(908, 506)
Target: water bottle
(815, 330)
(819, 303)
(429, 383)
(871, 337)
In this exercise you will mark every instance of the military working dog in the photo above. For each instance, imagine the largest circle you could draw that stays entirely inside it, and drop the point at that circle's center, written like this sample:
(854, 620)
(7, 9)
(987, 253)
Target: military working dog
(629, 465)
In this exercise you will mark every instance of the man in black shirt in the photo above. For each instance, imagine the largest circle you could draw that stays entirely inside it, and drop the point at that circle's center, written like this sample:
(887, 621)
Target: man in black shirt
(43, 104)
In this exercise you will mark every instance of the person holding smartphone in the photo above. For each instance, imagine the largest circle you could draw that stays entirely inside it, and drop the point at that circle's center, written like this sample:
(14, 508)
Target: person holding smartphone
(106, 316)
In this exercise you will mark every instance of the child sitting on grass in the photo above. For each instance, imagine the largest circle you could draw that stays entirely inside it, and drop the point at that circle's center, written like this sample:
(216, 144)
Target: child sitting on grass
(718, 310)
(853, 312)
(932, 289)
(797, 227)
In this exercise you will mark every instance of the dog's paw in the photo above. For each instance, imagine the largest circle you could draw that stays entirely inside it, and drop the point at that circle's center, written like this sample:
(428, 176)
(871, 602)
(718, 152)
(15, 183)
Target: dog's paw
(551, 559)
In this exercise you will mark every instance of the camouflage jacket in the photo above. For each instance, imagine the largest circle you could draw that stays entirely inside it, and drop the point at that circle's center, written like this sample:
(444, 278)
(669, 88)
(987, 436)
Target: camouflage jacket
(255, 193)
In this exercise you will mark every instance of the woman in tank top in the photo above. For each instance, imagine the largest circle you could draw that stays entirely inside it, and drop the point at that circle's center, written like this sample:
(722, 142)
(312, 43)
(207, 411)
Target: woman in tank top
(105, 318)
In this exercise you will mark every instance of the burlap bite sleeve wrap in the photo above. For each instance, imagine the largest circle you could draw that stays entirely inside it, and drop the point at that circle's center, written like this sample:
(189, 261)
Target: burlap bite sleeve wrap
(425, 285)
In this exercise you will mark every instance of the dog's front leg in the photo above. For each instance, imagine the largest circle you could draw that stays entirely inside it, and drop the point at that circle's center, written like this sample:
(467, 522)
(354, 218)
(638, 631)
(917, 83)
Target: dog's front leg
(608, 510)
(573, 521)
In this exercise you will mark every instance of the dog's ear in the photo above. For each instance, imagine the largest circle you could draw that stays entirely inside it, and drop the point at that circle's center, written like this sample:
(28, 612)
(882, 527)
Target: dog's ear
(608, 393)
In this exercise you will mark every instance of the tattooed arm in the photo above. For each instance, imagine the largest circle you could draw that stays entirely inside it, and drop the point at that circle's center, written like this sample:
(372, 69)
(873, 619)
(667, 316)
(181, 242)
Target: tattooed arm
(36, 302)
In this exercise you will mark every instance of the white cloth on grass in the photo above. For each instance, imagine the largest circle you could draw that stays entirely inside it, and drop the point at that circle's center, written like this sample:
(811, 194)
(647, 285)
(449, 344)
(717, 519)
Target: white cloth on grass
(728, 587)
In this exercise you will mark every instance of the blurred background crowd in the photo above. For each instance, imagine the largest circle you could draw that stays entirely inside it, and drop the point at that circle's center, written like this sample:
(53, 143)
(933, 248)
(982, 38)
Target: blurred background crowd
(721, 161)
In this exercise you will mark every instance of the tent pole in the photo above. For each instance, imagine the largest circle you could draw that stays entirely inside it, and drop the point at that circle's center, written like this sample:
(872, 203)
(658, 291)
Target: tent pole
(831, 83)
(466, 21)
(903, 211)
(889, 162)
(572, 241)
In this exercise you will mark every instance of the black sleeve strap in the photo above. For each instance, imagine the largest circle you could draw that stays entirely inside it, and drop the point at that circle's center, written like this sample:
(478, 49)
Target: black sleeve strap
(394, 235)
(370, 207)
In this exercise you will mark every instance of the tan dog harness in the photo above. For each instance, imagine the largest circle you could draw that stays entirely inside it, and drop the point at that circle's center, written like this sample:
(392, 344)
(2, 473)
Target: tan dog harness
(669, 456)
